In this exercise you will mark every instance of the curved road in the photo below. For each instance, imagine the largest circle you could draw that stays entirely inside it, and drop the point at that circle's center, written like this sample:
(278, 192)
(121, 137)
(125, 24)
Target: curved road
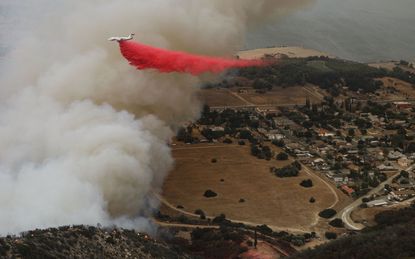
(252, 224)
(346, 212)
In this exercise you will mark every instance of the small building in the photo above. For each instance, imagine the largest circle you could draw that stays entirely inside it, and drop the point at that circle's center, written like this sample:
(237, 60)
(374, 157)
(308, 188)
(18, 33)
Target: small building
(325, 133)
(377, 203)
(402, 105)
(387, 168)
(346, 189)
(395, 155)
(272, 136)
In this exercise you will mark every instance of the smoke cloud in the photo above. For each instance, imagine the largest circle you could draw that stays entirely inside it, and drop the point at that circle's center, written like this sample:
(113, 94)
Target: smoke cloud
(82, 134)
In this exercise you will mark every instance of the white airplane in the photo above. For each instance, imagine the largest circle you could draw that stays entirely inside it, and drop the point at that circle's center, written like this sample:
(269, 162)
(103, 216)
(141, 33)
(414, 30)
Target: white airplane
(129, 37)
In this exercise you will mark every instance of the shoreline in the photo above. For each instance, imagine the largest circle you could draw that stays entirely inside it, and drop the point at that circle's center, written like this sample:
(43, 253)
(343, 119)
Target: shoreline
(300, 52)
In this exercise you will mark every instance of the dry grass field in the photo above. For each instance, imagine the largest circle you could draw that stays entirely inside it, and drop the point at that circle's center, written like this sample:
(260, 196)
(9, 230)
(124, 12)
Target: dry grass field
(278, 202)
(367, 215)
(219, 97)
(405, 90)
(292, 52)
(279, 96)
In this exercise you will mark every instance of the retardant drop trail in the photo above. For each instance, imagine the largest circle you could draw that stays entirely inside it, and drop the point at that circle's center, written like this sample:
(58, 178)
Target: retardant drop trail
(147, 57)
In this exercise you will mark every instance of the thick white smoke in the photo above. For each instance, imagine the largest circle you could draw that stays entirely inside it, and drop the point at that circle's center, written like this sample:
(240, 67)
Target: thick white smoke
(82, 134)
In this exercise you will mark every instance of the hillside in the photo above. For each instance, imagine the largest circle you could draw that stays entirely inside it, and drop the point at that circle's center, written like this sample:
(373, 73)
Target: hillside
(84, 242)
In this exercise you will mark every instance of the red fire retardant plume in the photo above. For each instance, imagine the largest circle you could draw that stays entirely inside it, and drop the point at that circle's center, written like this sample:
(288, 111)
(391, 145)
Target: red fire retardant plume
(147, 57)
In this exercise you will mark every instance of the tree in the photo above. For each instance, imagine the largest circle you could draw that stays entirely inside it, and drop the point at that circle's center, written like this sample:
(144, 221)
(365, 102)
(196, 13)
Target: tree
(280, 143)
(307, 183)
(201, 213)
(210, 194)
(227, 141)
(404, 174)
(330, 235)
(282, 156)
(337, 223)
(327, 213)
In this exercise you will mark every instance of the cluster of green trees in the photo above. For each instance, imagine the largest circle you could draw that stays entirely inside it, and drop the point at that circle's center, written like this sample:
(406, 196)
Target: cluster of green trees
(328, 73)
(291, 170)
(261, 152)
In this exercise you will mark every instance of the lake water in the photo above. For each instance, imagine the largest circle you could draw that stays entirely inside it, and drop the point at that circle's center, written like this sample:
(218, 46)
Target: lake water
(363, 30)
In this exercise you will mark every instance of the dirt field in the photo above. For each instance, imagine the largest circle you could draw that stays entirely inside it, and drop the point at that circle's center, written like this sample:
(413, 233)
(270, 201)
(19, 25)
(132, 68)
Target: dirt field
(404, 90)
(284, 96)
(295, 95)
(386, 65)
(219, 97)
(367, 215)
(292, 52)
(280, 202)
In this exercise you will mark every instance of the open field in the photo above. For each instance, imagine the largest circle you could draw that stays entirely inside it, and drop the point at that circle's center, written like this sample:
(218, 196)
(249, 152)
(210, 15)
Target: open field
(294, 95)
(279, 96)
(404, 90)
(280, 202)
(292, 52)
(219, 97)
(390, 65)
(367, 215)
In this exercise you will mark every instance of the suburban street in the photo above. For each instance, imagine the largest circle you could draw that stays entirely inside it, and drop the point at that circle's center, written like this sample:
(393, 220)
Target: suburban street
(346, 212)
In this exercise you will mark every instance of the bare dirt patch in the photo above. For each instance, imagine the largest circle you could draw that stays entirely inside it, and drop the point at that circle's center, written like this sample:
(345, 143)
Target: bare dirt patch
(280, 202)
(292, 52)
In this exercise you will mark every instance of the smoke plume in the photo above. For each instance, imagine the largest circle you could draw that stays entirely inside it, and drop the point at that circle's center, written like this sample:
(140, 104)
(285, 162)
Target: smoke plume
(82, 134)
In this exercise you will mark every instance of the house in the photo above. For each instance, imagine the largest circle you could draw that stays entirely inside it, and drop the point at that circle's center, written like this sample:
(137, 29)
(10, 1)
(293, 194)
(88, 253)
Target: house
(341, 180)
(395, 155)
(377, 203)
(346, 189)
(325, 133)
(272, 136)
(387, 168)
(402, 105)
(217, 129)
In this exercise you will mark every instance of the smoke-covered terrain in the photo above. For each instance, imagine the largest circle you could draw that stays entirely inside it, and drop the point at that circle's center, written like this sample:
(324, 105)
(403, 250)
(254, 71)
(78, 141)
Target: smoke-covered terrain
(83, 136)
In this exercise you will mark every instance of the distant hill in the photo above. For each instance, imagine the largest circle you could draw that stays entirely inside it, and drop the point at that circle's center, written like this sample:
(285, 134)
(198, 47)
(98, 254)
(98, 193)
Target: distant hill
(85, 242)
(392, 238)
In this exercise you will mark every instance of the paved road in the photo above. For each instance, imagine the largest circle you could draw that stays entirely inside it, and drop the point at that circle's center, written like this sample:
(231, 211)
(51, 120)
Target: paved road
(346, 212)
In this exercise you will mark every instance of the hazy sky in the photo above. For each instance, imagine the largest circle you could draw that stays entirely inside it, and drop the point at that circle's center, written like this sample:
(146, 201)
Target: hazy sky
(363, 30)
